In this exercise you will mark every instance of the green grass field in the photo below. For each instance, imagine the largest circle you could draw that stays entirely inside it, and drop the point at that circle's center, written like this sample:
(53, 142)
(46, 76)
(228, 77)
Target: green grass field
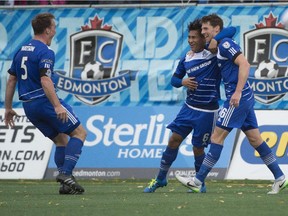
(120, 197)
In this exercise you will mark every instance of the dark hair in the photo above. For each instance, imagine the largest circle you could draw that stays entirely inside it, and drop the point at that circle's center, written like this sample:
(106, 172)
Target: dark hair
(214, 20)
(41, 22)
(195, 26)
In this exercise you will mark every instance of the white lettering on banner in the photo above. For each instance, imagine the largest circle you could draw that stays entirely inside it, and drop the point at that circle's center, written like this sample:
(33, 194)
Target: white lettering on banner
(185, 172)
(280, 85)
(24, 152)
(190, 173)
(154, 133)
(140, 153)
(92, 88)
(94, 173)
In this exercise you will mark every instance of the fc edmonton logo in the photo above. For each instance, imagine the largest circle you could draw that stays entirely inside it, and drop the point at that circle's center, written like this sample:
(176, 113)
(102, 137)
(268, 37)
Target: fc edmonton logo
(94, 54)
(266, 50)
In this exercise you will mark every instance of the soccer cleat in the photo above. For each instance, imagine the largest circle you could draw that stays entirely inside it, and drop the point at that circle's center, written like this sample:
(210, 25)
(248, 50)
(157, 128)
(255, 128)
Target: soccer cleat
(202, 190)
(154, 184)
(69, 181)
(278, 186)
(66, 190)
(189, 183)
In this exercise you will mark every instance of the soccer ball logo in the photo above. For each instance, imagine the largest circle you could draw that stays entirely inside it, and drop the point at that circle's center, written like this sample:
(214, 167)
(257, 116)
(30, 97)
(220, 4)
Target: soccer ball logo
(92, 71)
(267, 69)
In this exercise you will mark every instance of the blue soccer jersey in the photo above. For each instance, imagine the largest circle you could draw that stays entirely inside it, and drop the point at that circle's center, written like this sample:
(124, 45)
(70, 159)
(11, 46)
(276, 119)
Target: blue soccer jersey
(29, 61)
(27, 64)
(202, 66)
(230, 117)
(227, 53)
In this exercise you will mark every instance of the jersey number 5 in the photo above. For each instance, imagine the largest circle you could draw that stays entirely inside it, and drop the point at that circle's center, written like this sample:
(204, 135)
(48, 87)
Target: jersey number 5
(24, 67)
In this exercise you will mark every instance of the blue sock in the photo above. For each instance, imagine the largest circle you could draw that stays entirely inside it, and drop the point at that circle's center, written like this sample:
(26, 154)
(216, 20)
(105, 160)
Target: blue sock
(210, 160)
(269, 159)
(198, 162)
(168, 157)
(72, 154)
(59, 157)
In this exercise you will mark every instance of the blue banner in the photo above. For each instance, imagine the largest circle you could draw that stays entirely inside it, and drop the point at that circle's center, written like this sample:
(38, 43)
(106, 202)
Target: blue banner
(151, 44)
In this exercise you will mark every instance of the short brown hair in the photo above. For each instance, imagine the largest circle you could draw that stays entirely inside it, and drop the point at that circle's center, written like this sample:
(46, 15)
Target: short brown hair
(41, 22)
(213, 19)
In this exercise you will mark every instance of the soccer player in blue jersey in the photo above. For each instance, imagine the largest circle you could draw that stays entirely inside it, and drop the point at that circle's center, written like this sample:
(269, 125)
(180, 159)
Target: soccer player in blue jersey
(199, 112)
(237, 111)
(32, 68)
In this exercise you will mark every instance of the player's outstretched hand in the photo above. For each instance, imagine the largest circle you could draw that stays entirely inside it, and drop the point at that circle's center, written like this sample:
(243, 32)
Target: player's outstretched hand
(9, 117)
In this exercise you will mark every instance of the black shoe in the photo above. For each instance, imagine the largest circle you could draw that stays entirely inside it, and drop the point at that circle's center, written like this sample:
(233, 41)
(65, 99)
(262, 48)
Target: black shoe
(69, 181)
(64, 189)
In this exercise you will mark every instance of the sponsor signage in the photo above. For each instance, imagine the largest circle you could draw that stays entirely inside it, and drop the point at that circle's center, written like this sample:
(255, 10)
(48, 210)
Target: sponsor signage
(125, 139)
(24, 151)
(246, 163)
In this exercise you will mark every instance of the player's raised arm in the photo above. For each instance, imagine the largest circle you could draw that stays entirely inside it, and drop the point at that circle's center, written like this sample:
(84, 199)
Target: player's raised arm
(228, 32)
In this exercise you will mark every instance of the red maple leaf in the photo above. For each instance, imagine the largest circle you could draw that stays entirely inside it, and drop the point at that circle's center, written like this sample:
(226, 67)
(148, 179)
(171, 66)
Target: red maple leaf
(96, 24)
(270, 21)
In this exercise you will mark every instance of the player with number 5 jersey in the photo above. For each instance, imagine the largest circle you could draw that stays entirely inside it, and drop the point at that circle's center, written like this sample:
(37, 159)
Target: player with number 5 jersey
(32, 69)
(36, 58)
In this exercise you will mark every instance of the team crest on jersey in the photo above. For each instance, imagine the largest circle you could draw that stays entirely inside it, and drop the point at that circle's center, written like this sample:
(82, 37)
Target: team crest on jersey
(265, 47)
(226, 45)
(94, 55)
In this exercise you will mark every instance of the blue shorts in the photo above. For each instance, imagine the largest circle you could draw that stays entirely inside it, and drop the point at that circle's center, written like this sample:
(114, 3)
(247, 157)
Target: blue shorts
(201, 122)
(42, 115)
(242, 117)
